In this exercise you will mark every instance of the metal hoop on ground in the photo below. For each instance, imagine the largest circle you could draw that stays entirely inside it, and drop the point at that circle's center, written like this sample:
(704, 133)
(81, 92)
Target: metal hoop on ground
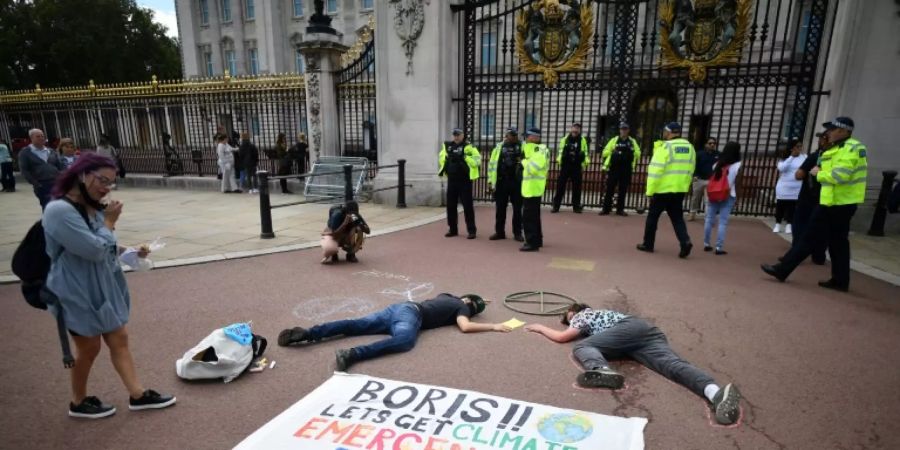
(551, 303)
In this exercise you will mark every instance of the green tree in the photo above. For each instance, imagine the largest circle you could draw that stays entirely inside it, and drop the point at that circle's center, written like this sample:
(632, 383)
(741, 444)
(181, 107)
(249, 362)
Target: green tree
(68, 42)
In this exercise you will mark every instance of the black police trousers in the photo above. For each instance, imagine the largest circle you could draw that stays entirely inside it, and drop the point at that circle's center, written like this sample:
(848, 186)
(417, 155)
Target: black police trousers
(672, 204)
(460, 192)
(508, 191)
(566, 174)
(831, 225)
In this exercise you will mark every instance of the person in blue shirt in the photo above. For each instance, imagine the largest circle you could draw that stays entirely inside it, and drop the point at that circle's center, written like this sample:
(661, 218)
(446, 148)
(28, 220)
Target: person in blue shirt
(86, 282)
(6, 168)
(704, 168)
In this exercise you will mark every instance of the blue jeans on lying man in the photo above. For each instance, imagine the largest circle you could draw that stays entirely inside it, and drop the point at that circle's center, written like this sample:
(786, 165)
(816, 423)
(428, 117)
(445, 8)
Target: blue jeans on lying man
(401, 321)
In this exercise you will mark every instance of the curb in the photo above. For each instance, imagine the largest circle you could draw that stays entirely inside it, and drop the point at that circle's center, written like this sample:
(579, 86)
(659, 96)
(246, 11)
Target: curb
(168, 263)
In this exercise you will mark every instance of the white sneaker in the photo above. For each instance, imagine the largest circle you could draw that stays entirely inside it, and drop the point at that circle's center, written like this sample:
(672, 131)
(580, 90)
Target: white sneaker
(787, 229)
(777, 228)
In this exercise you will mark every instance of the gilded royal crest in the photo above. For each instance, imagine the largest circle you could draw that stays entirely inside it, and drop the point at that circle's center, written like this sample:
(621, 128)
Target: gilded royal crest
(553, 36)
(696, 34)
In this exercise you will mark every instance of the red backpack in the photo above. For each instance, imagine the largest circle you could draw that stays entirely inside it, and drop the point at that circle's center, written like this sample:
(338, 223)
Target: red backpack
(718, 190)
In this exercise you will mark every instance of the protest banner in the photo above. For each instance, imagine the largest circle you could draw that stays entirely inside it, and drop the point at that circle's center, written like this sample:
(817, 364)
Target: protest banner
(352, 411)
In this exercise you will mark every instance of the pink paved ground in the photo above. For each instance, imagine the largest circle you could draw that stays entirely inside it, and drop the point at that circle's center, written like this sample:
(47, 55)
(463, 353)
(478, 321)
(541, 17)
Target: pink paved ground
(818, 369)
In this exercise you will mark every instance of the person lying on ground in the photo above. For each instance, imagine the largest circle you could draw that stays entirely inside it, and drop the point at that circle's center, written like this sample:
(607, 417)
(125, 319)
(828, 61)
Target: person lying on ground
(402, 321)
(611, 334)
(346, 230)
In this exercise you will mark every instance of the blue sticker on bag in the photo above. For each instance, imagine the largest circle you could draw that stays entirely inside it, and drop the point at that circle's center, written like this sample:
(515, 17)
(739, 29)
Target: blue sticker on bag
(240, 333)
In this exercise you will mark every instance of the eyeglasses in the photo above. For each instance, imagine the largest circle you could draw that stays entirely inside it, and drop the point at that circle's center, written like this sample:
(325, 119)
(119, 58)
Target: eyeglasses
(104, 181)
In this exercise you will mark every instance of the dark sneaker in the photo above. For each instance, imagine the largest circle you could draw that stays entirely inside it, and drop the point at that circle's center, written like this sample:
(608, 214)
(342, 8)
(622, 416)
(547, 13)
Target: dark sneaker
(685, 250)
(497, 237)
(335, 258)
(772, 270)
(451, 234)
(603, 213)
(719, 251)
(471, 236)
(707, 248)
(529, 248)
(577, 211)
(830, 284)
(645, 248)
(601, 378)
(151, 400)
(343, 359)
(351, 257)
(293, 336)
(622, 213)
(727, 405)
(554, 210)
(91, 408)
(519, 238)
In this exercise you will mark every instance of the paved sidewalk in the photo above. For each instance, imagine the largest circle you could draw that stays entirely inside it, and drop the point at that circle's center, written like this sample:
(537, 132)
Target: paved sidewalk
(205, 226)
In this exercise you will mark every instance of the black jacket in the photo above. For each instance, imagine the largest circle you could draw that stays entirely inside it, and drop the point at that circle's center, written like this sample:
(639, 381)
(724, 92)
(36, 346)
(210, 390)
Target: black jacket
(248, 154)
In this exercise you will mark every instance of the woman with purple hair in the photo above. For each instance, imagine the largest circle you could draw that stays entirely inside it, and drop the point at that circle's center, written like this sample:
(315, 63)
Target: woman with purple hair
(88, 284)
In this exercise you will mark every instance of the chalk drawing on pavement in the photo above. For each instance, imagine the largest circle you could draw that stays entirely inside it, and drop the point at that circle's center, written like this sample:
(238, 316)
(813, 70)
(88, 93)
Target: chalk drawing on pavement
(379, 274)
(320, 308)
(410, 291)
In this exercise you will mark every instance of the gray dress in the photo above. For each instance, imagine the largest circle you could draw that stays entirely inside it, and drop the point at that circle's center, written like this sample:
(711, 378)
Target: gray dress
(84, 273)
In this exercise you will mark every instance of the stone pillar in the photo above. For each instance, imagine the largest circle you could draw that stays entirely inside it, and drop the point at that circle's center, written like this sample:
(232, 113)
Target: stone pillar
(322, 52)
(416, 72)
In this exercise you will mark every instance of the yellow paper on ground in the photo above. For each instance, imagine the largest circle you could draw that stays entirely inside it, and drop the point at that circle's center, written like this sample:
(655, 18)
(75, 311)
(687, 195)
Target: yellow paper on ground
(514, 323)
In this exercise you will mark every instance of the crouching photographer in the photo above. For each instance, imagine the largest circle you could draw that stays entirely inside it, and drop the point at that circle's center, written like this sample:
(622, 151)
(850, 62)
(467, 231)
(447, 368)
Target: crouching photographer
(346, 230)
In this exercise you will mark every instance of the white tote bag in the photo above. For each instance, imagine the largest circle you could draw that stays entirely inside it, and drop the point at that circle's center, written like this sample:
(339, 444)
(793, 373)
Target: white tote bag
(219, 356)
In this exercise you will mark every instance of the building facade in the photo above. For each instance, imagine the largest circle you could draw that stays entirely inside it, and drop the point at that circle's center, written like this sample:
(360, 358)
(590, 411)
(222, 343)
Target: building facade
(256, 37)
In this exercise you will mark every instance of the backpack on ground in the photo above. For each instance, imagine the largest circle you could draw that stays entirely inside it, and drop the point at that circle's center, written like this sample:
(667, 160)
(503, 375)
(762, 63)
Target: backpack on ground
(718, 190)
(226, 353)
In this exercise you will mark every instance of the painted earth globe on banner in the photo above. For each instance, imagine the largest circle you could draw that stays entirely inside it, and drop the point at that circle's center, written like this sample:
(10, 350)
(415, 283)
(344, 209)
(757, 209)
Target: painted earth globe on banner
(565, 428)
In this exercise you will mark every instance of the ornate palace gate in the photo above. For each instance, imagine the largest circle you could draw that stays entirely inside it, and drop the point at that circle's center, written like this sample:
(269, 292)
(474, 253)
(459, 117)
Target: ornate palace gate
(355, 86)
(742, 70)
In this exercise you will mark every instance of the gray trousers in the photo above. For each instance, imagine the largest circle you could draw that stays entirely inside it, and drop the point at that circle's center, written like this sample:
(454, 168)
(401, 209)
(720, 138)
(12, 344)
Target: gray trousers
(646, 344)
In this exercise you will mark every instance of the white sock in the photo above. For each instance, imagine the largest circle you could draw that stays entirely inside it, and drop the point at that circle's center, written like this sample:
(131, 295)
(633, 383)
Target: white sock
(710, 391)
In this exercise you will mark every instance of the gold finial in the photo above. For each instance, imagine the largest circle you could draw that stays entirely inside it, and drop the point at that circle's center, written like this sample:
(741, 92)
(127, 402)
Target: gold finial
(154, 83)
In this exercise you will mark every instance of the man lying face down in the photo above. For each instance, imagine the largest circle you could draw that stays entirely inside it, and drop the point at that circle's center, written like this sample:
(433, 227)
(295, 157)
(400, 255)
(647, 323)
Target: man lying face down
(402, 321)
(611, 334)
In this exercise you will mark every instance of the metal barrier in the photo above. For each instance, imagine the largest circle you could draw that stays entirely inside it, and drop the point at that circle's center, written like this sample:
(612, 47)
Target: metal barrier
(324, 179)
(266, 206)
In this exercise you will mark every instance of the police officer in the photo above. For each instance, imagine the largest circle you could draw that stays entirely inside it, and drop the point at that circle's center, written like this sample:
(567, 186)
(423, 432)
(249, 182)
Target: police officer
(842, 171)
(572, 158)
(620, 157)
(668, 180)
(808, 201)
(505, 178)
(459, 161)
(535, 163)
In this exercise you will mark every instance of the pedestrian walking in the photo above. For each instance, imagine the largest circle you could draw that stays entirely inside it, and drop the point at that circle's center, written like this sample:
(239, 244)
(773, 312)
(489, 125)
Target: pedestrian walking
(722, 194)
(620, 157)
(505, 179)
(705, 161)
(249, 156)
(284, 161)
(225, 154)
(842, 170)
(173, 161)
(40, 165)
(86, 282)
(460, 162)
(808, 201)
(299, 153)
(535, 164)
(572, 160)
(787, 190)
(668, 181)
(7, 179)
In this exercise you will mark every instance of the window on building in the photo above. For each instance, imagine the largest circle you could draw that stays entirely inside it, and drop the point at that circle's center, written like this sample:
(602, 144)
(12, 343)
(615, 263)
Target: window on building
(488, 119)
(253, 61)
(488, 48)
(250, 11)
(298, 8)
(226, 10)
(254, 126)
(610, 39)
(204, 12)
(331, 6)
(231, 62)
(299, 63)
(367, 4)
(530, 119)
(208, 62)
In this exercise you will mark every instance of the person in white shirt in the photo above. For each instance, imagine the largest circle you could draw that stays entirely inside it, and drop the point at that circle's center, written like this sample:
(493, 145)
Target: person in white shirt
(727, 166)
(787, 190)
(225, 154)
